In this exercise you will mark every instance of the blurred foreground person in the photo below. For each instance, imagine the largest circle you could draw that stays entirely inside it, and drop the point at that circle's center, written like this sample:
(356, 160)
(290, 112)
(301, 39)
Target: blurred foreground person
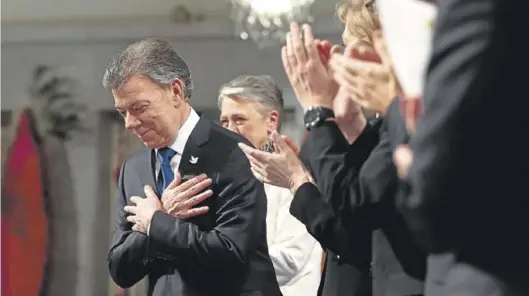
(203, 237)
(356, 182)
(252, 106)
(468, 196)
(365, 71)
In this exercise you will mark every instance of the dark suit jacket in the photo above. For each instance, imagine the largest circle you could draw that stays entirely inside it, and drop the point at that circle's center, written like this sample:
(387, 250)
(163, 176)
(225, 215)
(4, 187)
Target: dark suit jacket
(342, 278)
(348, 246)
(223, 252)
(358, 187)
(395, 253)
(469, 179)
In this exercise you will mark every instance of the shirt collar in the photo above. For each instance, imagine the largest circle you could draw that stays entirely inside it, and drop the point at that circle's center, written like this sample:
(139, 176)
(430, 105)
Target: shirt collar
(184, 132)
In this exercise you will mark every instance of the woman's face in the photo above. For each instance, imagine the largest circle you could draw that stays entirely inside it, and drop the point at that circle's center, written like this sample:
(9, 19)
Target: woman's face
(245, 117)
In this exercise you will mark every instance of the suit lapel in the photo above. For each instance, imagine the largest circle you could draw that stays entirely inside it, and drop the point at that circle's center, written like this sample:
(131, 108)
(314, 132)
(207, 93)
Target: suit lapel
(193, 162)
(147, 176)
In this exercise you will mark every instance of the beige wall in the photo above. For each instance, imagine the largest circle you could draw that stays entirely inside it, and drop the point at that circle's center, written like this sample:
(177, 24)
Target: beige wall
(94, 10)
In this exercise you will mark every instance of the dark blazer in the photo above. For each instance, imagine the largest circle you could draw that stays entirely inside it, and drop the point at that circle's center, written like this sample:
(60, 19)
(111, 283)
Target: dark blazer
(469, 192)
(223, 252)
(348, 247)
(358, 183)
(395, 252)
(342, 278)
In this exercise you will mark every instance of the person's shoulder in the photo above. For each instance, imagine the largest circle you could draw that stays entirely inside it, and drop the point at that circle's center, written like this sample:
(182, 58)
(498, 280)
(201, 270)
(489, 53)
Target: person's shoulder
(226, 138)
(224, 152)
(225, 155)
(136, 156)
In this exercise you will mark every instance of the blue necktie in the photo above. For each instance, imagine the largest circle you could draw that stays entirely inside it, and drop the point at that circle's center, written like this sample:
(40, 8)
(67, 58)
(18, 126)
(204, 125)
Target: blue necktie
(166, 175)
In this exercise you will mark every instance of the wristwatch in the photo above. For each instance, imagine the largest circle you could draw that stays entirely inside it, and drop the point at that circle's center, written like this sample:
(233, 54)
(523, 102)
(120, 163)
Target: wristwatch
(315, 116)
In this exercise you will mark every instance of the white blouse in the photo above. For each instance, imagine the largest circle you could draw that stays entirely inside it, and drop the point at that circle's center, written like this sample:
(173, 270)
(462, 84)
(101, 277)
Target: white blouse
(296, 255)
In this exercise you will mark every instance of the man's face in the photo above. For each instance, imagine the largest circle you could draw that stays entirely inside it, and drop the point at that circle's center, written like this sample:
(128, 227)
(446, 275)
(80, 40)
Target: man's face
(151, 112)
(244, 117)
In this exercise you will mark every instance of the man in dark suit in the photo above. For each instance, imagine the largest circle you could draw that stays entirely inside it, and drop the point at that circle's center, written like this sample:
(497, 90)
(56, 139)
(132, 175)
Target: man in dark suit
(467, 196)
(216, 248)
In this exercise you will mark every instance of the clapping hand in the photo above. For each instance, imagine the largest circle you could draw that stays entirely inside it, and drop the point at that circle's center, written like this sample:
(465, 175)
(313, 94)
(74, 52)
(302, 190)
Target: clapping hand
(310, 78)
(367, 75)
(282, 169)
(325, 50)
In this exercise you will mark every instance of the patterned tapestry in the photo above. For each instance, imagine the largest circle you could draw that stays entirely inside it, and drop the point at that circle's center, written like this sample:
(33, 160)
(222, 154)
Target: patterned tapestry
(25, 208)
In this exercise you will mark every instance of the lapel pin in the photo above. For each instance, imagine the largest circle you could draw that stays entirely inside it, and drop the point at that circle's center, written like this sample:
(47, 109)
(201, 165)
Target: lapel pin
(193, 160)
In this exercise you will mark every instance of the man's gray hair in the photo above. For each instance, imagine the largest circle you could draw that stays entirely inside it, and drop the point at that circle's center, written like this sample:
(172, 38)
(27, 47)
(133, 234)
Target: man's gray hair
(154, 58)
(261, 89)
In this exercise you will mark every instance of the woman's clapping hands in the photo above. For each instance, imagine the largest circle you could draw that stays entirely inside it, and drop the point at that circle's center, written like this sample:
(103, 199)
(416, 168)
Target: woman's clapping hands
(310, 78)
(282, 168)
(367, 74)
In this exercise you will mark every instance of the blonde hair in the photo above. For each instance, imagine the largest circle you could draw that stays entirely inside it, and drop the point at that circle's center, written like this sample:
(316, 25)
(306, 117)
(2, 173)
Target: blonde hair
(360, 17)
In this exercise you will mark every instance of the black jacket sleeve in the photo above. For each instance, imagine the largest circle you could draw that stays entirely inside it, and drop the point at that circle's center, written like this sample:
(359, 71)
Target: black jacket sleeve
(127, 258)
(325, 225)
(334, 162)
(336, 167)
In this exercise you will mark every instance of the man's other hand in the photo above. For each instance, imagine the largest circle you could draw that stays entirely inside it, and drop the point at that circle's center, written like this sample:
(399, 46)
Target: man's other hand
(143, 210)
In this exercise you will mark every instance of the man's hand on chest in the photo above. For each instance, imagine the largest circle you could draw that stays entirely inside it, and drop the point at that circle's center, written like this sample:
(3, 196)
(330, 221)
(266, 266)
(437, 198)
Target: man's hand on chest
(178, 199)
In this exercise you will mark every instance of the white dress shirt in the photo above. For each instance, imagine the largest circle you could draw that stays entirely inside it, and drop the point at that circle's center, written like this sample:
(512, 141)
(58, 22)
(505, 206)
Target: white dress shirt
(180, 142)
(296, 255)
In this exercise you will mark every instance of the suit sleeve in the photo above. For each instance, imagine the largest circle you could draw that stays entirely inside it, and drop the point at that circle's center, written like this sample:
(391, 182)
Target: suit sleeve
(127, 260)
(369, 197)
(334, 210)
(240, 221)
(292, 246)
(322, 222)
(336, 168)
